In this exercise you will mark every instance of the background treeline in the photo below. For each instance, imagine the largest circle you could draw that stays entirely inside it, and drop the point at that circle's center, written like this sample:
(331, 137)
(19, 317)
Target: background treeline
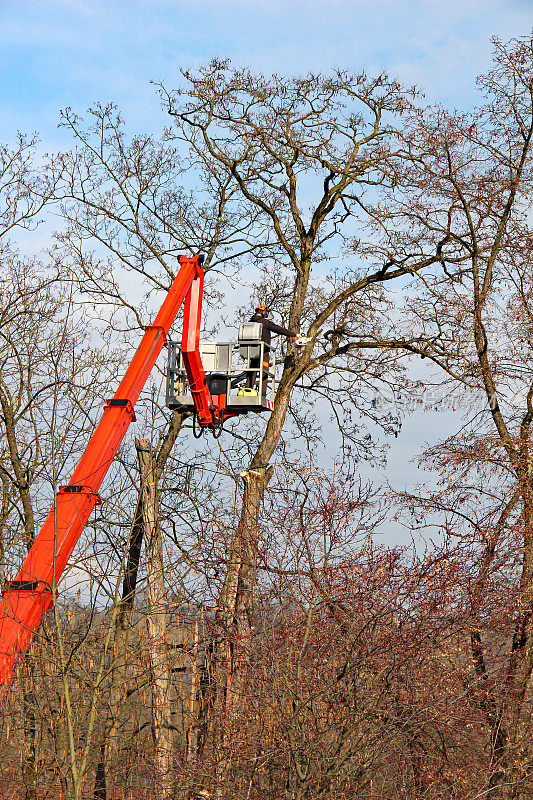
(232, 625)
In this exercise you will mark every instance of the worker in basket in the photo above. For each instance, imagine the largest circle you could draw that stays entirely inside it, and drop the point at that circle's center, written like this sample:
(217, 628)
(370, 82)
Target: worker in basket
(261, 315)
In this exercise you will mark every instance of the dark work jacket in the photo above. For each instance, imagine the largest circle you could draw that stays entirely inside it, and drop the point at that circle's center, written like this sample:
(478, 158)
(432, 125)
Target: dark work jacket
(270, 328)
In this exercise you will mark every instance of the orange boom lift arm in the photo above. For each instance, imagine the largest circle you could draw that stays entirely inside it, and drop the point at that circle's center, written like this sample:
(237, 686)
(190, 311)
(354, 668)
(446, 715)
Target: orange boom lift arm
(30, 595)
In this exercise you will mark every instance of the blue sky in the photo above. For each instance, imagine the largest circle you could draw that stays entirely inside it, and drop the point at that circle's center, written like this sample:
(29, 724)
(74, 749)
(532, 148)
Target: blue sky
(57, 53)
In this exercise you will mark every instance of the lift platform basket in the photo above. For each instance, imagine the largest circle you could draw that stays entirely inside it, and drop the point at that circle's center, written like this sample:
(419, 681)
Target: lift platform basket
(244, 371)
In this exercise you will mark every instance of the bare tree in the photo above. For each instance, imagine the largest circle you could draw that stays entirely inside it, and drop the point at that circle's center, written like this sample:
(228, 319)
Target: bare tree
(156, 619)
(25, 185)
(469, 192)
(308, 155)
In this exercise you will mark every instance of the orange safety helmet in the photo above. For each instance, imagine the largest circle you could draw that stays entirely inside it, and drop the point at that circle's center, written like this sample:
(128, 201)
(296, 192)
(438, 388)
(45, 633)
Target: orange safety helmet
(262, 309)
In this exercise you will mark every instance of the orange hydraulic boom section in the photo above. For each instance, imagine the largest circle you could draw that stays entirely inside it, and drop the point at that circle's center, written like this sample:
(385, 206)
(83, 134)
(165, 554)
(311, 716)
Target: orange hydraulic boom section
(30, 595)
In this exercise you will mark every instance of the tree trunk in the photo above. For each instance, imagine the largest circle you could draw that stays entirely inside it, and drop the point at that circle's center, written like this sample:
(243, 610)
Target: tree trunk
(118, 690)
(119, 683)
(192, 733)
(100, 789)
(517, 760)
(156, 622)
(234, 615)
(29, 772)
